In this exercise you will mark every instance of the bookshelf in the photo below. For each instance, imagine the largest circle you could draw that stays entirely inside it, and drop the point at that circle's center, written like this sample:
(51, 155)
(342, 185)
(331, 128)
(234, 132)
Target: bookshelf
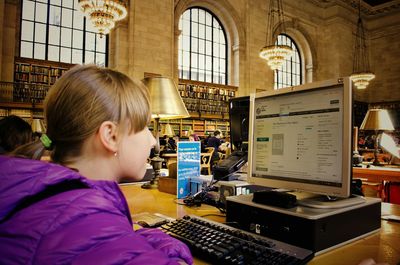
(206, 99)
(201, 127)
(34, 77)
(32, 80)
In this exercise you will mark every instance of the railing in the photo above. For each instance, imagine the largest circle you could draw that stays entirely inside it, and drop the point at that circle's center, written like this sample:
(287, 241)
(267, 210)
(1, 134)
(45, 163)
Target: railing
(22, 92)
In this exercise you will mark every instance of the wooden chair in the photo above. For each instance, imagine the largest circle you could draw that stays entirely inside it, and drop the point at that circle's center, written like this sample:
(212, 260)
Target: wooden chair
(205, 161)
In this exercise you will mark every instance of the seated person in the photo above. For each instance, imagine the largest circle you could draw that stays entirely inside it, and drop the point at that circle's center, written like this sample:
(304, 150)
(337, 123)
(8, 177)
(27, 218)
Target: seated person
(71, 210)
(215, 142)
(225, 146)
(196, 138)
(14, 132)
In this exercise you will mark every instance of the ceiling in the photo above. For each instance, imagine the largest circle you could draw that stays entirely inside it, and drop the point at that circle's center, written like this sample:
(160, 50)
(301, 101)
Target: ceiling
(376, 2)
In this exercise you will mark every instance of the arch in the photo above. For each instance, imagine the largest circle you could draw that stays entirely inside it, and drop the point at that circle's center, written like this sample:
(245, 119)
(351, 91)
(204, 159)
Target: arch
(304, 44)
(229, 19)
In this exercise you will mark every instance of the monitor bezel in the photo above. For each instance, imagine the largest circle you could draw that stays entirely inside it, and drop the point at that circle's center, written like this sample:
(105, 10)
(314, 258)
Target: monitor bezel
(344, 190)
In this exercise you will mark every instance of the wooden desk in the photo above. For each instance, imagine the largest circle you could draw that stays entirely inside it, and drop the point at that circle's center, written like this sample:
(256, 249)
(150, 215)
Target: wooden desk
(377, 174)
(383, 246)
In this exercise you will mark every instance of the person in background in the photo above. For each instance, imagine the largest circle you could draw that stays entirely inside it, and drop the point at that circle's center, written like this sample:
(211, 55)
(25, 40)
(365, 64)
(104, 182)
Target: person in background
(71, 210)
(14, 132)
(225, 146)
(196, 138)
(215, 142)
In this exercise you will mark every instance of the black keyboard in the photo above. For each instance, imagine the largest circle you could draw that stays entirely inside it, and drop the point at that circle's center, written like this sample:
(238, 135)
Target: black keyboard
(221, 244)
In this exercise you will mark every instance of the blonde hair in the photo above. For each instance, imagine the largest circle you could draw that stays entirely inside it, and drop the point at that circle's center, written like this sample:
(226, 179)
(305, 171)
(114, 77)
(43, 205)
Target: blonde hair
(81, 100)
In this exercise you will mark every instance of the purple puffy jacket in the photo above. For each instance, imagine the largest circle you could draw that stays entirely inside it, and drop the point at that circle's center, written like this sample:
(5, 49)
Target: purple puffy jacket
(50, 214)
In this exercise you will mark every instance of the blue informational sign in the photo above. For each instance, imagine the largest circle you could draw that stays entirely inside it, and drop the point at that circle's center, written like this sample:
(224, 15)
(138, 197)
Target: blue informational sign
(188, 166)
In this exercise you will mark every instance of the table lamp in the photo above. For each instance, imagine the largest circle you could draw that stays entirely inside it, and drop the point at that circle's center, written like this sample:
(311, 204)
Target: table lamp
(167, 130)
(377, 120)
(166, 103)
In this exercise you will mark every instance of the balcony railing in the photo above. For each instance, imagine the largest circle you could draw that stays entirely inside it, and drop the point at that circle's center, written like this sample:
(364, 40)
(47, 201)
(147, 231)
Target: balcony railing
(22, 92)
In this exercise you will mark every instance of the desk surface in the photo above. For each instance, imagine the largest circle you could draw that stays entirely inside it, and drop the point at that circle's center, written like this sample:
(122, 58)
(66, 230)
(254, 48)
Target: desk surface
(377, 174)
(383, 246)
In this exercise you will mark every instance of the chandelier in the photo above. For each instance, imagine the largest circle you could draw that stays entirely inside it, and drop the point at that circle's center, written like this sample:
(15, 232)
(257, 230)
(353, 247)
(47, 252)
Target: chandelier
(275, 54)
(362, 74)
(104, 13)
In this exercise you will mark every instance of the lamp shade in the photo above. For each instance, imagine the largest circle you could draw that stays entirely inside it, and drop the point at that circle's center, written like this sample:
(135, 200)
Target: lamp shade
(166, 103)
(377, 119)
(167, 130)
(37, 126)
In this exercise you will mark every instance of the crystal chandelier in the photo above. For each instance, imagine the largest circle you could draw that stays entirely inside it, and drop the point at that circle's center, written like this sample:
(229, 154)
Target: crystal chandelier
(275, 54)
(104, 13)
(362, 74)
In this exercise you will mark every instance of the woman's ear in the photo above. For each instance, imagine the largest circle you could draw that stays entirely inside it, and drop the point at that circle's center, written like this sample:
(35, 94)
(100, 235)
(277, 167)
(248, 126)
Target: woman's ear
(108, 133)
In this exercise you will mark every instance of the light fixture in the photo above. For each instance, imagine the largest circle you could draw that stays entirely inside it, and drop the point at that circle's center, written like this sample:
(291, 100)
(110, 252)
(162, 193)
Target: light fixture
(377, 120)
(275, 54)
(362, 74)
(38, 126)
(166, 103)
(167, 130)
(104, 13)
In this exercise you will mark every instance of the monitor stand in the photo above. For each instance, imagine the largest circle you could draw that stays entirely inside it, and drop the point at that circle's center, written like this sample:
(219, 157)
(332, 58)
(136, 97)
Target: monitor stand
(328, 202)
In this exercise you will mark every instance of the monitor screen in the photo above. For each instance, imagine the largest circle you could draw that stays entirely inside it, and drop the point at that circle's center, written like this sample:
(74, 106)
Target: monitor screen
(301, 138)
(239, 122)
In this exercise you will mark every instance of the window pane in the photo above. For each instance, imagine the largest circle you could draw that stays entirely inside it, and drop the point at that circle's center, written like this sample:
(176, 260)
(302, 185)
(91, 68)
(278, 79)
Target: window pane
(78, 20)
(100, 59)
(202, 46)
(68, 3)
(55, 15)
(54, 53)
(90, 41)
(89, 57)
(27, 31)
(195, 29)
(101, 44)
(54, 35)
(186, 28)
(208, 63)
(27, 10)
(186, 43)
(202, 32)
(77, 56)
(65, 55)
(40, 33)
(195, 15)
(41, 12)
(66, 18)
(195, 47)
(208, 33)
(26, 49)
(208, 48)
(208, 19)
(57, 2)
(39, 51)
(77, 39)
(194, 61)
(66, 37)
(202, 16)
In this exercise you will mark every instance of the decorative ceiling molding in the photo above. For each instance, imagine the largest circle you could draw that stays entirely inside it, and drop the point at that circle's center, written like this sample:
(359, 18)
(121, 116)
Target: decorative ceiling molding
(366, 9)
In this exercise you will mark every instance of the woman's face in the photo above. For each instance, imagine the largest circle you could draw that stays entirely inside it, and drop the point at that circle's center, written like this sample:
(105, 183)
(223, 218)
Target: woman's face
(133, 153)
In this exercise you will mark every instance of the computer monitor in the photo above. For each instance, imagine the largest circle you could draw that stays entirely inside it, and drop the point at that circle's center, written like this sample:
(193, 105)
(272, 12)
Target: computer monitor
(302, 139)
(239, 122)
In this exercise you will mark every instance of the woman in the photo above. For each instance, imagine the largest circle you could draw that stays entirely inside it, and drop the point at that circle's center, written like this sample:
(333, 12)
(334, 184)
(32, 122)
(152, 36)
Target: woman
(72, 210)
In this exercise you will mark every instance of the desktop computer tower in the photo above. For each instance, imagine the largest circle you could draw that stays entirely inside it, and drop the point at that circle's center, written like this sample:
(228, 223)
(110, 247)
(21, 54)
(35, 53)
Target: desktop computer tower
(316, 229)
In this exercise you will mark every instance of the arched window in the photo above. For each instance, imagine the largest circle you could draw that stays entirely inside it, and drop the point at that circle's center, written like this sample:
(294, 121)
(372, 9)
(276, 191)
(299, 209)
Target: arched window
(202, 53)
(58, 31)
(290, 72)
